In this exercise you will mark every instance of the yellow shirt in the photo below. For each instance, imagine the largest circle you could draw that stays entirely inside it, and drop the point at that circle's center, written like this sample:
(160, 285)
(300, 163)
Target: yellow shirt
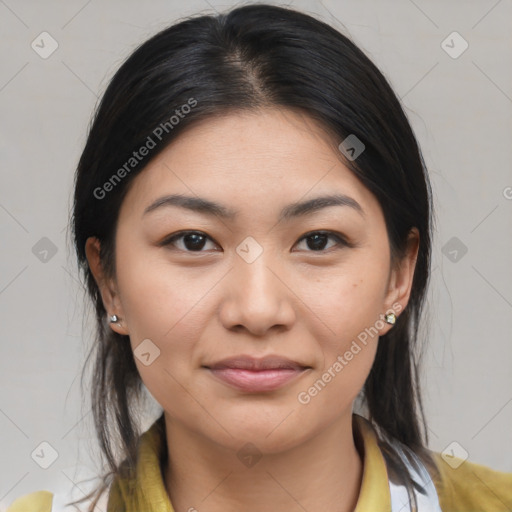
(468, 488)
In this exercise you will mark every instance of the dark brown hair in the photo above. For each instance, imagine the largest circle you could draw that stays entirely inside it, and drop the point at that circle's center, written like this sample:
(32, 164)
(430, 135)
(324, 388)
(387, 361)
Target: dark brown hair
(251, 57)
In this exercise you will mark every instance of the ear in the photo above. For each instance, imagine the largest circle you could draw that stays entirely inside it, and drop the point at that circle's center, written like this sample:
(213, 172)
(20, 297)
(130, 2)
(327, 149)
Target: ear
(107, 286)
(401, 278)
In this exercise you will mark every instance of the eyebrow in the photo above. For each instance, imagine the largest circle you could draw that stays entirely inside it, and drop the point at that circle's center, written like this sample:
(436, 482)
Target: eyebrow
(300, 208)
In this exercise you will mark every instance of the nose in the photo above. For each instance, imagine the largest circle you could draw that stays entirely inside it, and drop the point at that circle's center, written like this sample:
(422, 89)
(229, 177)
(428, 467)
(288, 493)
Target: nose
(257, 297)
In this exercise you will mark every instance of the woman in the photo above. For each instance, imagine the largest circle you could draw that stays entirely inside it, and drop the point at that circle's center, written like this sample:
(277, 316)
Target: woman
(253, 219)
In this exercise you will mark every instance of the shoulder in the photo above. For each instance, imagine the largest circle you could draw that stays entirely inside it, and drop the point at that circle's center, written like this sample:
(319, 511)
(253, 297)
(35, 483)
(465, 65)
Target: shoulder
(38, 501)
(467, 486)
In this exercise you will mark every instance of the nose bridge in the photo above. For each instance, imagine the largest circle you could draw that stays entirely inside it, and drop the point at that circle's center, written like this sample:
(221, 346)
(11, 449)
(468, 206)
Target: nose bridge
(257, 298)
(252, 266)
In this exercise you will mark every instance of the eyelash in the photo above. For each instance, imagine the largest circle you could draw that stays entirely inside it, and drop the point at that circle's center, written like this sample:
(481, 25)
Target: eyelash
(341, 241)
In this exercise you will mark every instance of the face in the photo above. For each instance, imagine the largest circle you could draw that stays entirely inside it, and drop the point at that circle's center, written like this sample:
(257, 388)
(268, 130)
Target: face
(258, 276)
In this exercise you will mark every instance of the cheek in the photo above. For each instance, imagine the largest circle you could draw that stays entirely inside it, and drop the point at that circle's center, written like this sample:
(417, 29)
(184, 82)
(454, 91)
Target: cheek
(350, 309)
(159, 299)
(349, 299)
(168, 308)
(347, 304)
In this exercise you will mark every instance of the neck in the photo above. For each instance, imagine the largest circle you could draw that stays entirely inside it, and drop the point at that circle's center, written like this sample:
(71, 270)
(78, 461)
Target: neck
(323, 473)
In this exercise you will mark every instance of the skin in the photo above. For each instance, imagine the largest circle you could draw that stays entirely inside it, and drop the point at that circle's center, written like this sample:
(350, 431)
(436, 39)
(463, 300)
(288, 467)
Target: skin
(200, 306)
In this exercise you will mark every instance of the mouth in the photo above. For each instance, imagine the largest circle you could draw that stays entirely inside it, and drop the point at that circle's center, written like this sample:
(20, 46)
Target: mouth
(253, 375)
(256, 381)
(244, 362)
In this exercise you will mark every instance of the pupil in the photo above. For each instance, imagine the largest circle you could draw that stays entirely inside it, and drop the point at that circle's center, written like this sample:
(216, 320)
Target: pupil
(319, 241)
(197, 241)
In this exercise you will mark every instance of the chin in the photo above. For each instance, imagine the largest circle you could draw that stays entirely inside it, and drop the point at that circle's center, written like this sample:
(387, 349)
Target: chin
(268, 435)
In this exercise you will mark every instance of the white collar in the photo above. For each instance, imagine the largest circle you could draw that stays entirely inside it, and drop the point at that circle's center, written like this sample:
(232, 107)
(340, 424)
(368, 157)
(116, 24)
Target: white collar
(400, 502)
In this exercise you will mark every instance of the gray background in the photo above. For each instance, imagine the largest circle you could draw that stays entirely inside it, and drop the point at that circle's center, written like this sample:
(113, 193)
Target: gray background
(460, 109)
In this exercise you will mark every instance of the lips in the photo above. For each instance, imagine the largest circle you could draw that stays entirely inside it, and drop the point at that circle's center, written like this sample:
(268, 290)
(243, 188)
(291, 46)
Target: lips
(244, 362)
(253, 375)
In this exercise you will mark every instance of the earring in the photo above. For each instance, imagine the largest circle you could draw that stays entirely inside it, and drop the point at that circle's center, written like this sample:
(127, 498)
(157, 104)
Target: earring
(114, 319)
(390, 318)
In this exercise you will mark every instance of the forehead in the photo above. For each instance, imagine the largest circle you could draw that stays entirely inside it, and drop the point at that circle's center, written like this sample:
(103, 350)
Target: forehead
(251, 158)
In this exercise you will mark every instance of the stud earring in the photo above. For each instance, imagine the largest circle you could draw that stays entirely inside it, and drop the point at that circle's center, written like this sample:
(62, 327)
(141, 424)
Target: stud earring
(390, 318)
(114, 319)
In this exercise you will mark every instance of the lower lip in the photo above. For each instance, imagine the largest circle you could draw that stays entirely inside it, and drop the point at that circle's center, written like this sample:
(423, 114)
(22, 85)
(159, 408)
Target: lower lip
(256, 381)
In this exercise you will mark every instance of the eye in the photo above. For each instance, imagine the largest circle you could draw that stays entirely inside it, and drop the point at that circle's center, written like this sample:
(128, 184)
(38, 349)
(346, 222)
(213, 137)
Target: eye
(195, 241)
(317, 240)
(190, 241)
